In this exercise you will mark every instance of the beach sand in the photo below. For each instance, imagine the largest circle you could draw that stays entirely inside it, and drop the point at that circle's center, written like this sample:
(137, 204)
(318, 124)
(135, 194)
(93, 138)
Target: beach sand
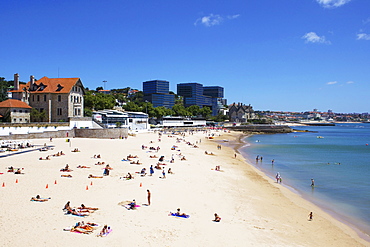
(255, 210)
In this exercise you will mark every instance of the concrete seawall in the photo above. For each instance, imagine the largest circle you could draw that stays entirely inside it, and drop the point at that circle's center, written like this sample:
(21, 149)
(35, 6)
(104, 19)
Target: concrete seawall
(81, 133)
(270, 129)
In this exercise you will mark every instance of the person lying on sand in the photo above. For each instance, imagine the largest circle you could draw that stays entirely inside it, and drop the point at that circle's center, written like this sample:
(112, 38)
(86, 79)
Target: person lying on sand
(19, 171)
(39, 199)
(10, 169)
(74, 212)
(83, 208)
(178, 213)
(66, 176)
(132, 156)
(153, 156)
(46, 158)
(169, 171)
(92, 176)
(75, 150)
(89, 208)
(158, 167)
(183, 158)
(80, 166)
(135, 162)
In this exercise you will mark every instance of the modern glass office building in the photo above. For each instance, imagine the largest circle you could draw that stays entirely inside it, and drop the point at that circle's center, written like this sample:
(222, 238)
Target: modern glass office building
(157, 93)
(196, 94)
(214, 91)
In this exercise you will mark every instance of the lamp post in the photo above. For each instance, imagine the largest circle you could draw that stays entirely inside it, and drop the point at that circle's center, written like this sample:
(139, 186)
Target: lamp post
(104, 84)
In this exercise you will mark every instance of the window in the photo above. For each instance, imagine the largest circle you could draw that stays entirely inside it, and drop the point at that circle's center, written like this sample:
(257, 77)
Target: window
(38, 97)
(59, 111)
(59, 98)
(45, 97)
(20, 111)
(20, 120)
(71, 98)
(14, 110)
(14, 120)
(33, 97)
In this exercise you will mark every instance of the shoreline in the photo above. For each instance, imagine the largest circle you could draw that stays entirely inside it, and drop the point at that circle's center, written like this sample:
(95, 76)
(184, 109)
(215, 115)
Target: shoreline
(318, 202)
(254, 210)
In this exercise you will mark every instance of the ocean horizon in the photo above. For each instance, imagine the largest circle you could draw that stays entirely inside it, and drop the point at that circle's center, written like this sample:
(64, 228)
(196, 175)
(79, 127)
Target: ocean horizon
(336, 157)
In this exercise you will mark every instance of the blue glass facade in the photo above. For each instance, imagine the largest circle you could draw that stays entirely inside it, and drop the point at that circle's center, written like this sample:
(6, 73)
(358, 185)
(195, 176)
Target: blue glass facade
(214, 92)
(156, 86)
(166, 100)
(196, 94)
(157, 93)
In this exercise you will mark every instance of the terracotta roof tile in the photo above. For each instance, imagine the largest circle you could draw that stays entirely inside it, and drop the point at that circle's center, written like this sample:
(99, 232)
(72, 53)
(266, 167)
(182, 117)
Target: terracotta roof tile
(54, 85)
(14, 104)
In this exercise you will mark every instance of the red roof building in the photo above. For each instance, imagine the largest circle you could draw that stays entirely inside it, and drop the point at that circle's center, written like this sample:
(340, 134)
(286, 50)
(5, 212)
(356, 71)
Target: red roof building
(15, 111)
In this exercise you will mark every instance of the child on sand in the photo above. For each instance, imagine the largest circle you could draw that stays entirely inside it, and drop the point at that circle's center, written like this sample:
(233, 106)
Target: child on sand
(310, 216)
(217, 218)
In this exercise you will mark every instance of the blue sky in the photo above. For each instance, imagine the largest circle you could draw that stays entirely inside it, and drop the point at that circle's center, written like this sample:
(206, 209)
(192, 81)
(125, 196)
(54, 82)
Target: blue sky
(289, 55)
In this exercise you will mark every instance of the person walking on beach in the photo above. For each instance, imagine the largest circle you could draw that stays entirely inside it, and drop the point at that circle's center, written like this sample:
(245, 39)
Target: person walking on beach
(151, 170)
(272, 162)
(277, 177)
(149, 194)
(312, 182)
(310, 216)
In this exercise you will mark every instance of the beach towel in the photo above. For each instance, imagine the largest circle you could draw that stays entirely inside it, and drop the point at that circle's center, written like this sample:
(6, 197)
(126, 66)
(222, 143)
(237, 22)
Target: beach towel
(180, 216)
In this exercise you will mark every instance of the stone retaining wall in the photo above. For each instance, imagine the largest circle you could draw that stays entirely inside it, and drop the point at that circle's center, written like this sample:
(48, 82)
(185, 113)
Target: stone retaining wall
(82, 133)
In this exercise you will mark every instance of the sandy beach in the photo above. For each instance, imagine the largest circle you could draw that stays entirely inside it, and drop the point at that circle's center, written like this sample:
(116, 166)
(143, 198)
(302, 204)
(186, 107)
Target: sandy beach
(254, 209)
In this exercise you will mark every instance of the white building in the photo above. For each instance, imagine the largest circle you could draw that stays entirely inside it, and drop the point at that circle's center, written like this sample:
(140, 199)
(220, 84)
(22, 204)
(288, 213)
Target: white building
(114, 118)
(181, 122)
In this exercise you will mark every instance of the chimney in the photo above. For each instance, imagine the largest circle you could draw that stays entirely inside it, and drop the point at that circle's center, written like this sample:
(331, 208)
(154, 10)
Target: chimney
(16, 81)
(32, 79)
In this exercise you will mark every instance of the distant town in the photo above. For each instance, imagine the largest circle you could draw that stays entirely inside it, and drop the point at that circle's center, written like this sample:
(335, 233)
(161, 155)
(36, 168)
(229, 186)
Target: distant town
(54, 100)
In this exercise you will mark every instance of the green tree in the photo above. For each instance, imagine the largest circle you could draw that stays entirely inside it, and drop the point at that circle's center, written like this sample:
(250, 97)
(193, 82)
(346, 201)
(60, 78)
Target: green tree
(205, 112)
(161, 111)
(6, 117)
(180, 110)
(121, 90)
(38, 116)
(88, 112)
(98, 101)
(220, 117)
(138, 97)
(4, 85)
(194, 110)
(118, 124)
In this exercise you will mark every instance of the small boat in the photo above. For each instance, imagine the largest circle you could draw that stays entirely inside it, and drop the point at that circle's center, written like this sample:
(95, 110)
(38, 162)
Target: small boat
(320, 137)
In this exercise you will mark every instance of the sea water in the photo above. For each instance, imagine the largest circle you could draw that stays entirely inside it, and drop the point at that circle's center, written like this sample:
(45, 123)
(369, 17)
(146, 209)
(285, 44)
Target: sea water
(336, 157)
